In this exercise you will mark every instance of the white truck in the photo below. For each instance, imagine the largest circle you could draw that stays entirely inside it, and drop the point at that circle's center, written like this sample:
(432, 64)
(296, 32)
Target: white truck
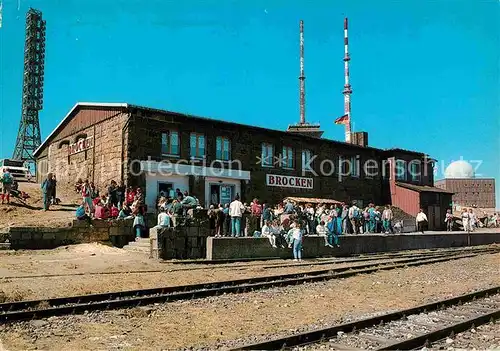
(17, 169)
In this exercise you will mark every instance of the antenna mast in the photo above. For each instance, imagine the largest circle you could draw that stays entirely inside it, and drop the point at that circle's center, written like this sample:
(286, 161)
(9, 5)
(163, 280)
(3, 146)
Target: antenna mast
(28, 137)
(347, 87)
(302, 78)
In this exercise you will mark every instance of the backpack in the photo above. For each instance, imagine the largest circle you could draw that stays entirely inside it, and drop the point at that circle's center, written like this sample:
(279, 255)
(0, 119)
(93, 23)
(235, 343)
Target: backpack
(355, 213)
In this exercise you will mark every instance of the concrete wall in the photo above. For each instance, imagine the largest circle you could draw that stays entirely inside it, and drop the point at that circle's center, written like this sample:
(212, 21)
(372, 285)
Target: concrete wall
(119, 233)
(237, 248)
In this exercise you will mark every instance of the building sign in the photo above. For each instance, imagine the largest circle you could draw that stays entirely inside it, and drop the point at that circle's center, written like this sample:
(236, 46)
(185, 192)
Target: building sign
(289, 182)
(80, 145)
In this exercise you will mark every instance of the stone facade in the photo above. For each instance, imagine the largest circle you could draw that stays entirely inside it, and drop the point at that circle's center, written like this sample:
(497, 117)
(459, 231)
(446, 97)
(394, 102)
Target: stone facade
(178, 243)
(124, 135)
(100, 163)
(117, 232)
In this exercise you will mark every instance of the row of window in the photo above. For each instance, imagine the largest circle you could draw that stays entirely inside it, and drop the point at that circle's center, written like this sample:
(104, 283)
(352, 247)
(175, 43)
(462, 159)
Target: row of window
(402, 173)
(170, 146)
(197, 146)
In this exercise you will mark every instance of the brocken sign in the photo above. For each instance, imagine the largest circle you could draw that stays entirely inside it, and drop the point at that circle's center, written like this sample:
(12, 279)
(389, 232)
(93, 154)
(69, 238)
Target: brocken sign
(80, 145)
(289, 182)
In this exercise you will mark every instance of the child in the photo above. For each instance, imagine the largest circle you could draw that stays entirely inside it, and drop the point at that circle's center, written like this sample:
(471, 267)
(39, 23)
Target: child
(139, 226)
(296, 242)
(322, 230)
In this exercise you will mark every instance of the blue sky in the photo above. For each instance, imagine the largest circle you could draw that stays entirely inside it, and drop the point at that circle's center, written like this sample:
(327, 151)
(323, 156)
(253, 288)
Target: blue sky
(425, 74)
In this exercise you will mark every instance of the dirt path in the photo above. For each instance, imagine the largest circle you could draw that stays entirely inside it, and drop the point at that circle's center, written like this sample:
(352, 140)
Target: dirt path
(215, 322)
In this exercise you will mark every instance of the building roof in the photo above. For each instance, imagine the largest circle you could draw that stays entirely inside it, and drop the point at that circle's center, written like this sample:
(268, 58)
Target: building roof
(127, 106)
(423, 188)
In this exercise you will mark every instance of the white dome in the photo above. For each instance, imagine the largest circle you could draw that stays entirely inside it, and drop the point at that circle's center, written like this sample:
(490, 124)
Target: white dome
(459, 169)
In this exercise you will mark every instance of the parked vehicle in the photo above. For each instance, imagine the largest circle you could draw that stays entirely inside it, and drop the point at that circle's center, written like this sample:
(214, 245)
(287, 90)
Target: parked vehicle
(17, 168)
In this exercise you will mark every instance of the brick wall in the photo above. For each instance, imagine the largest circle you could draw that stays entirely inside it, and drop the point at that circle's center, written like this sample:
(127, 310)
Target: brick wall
(471, 192)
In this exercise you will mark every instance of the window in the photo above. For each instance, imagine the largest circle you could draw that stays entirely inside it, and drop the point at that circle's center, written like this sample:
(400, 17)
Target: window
(287, 157)
(267, 155)
(415, 171)
(197, 145)
(307, 160)
(400, 170)
(223, 149)
(354, 167)
(170, 143)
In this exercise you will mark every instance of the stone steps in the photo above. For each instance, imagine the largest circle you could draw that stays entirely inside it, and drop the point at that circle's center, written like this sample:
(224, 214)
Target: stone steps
(4, 246)
(141, 246)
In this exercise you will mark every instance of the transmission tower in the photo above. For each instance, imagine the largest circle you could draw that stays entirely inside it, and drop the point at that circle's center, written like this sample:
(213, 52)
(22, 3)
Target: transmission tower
(28, 137)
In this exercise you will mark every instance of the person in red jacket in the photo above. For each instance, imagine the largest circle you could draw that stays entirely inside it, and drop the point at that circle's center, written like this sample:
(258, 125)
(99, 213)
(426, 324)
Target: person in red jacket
(130, 196)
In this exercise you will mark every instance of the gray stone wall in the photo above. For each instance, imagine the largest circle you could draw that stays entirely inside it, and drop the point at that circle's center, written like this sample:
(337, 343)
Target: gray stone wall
(118, 233)
(187, 242)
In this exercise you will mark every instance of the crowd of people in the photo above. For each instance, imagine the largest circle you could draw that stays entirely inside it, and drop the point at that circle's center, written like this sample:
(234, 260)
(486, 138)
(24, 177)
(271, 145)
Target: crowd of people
(283, 224)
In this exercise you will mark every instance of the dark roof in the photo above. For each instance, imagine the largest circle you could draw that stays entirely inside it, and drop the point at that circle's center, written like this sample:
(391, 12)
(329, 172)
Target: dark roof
(423, 188)
(395, 149)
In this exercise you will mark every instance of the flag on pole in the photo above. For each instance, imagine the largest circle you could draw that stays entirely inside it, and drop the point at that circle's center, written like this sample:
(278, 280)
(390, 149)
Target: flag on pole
(342, 120)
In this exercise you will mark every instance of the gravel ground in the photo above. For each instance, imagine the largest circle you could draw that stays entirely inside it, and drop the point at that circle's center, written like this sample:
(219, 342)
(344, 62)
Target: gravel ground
(79, 260)
(230, 320)
(484, 337)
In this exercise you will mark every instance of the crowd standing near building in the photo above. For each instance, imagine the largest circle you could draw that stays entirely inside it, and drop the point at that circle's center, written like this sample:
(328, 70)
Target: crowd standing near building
(283, 224)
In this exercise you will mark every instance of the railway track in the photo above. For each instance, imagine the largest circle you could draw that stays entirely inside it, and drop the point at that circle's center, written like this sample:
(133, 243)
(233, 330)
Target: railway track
(402, 330)
(307, 263)
(35, 309)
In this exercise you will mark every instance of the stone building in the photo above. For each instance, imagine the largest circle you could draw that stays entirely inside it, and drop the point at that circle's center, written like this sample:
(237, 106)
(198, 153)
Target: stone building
(215, 160)
(468, 190)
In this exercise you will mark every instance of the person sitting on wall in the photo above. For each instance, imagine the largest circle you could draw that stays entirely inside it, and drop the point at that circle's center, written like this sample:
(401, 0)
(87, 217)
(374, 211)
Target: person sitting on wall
(139, 226)
(323, 231)
(130, 196)
(163, 219)
(176, 213)
(125, 212)
(268, 233)
(113, 211)
(101, 211)
(81, 215)
(188, 202)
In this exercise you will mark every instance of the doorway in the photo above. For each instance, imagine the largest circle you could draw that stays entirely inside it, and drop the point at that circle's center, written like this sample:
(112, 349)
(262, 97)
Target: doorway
(221, 194)
(166, 189)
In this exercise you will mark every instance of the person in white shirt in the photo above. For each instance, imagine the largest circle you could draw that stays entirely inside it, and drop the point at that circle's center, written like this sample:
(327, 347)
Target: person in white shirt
(322, 230)
(268, 232)
(163, 219)
(472, 220)
(466, 221)
(421, 221)
(296, 242)
(236, 210)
